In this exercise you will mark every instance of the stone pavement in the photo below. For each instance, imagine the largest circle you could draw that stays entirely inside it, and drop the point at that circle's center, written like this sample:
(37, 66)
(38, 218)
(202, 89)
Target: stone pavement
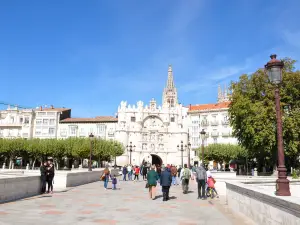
(130, 204)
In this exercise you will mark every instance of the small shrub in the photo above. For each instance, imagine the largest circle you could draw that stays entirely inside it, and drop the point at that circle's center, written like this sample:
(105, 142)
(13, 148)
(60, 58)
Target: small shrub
(295, 174)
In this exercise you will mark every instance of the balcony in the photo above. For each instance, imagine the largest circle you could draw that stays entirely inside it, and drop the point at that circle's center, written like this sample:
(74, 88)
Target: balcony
(204, 123)
(10, 124)
(215, 134)
(225, 122)
(225, 134)
(214, 123)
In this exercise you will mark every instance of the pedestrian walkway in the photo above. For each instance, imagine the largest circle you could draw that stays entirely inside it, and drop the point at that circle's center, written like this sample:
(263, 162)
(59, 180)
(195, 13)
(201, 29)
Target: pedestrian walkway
(130, 204)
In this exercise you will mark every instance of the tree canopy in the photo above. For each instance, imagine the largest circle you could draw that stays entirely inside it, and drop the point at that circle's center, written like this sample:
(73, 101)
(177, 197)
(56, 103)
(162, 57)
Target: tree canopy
(78, 148)
(253, 118)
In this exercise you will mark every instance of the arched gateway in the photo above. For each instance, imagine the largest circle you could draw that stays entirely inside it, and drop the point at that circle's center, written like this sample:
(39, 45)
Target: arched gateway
(156, 160)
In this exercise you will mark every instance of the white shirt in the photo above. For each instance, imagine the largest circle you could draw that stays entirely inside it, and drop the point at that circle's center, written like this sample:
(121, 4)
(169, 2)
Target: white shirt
(129, 168)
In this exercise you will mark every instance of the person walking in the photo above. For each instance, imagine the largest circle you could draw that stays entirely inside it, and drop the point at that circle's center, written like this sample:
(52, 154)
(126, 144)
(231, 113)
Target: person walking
(201, 180)
(114, 182)
(43, 170)
(124, 172)
(106, 175)
(174, 175)
(145, 170)
(165, 182)
(185, 176)
(136, 173)
(50, 177)
(152, 177)
(129, 171)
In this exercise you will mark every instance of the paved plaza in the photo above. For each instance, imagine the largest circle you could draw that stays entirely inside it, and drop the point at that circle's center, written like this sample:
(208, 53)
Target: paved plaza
(130, 204)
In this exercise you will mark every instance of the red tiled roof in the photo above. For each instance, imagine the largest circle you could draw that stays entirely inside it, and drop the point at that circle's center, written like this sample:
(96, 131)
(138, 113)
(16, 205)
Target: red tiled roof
(220, 105)
(90, 120)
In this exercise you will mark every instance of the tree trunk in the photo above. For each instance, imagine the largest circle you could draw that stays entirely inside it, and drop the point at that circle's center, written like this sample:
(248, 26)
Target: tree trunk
(33, 164)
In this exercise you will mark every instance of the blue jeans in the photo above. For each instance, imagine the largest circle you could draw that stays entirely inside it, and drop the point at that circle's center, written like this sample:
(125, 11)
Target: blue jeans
(114, 186)
(105, 182)
(130, 175)
(173, 180)
(124, 177)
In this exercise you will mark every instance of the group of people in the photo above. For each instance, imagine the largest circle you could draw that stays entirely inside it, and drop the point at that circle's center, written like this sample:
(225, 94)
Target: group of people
(47, 176)
(168, 176)
(129, 170)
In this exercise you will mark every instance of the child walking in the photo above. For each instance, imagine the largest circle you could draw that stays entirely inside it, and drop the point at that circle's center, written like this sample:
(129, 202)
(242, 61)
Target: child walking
(114, 182)
(211, 184)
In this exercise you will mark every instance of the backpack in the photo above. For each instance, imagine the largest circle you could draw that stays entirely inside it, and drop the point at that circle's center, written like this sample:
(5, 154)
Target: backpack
(186, 174)
(201, 174)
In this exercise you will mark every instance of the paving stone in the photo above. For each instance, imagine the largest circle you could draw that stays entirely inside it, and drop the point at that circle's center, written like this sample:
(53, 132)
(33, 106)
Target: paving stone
(91, 204)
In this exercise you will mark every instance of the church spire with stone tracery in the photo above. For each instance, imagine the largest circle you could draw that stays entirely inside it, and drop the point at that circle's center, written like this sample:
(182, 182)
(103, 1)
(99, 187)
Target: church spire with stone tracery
(170, 93)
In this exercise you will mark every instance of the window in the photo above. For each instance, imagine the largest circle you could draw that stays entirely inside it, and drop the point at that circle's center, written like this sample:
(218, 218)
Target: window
(73, 130)
(45, 121)
(26, 120)
(38, 122)
(92, 130)
(38, 132)
(50, 113)
(100, 129)
(51, 131)
(45, 131)
(21, 120)
(41, 113)
(132, 119)
(215, 140)
(172, 119)
(52, 121)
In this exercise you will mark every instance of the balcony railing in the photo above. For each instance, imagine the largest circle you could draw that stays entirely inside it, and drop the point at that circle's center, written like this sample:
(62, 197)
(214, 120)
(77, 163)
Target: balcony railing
(10, 124)
(215, 134)
(226, 134)
(214, 123)
(225, 122)
(204, 123)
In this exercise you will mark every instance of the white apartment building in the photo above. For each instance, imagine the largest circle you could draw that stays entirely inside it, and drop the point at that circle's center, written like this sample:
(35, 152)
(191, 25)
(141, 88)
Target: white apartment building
(47, 120)
(16, 122)
(101, 127)
(213, 118)
(154, 130)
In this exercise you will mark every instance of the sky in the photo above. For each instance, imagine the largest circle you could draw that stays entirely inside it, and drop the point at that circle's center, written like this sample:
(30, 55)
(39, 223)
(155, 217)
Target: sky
(91, 55)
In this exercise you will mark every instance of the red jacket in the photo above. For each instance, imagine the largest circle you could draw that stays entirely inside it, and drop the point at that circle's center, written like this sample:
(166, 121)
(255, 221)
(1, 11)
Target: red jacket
(137, 170)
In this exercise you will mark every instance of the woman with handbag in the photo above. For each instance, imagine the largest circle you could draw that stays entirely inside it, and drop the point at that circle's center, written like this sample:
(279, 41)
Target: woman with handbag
(152, 177)
(105, 177)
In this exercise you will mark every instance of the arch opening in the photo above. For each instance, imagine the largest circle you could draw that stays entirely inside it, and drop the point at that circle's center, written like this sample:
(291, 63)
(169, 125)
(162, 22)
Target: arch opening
(156, 160)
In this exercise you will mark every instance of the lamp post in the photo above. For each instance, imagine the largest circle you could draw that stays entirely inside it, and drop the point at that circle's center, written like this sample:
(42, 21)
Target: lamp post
(202, 135)
(91, 136)
(274, 69)
(180, 148)
(189, 154)
(130, 148)
(116, 145)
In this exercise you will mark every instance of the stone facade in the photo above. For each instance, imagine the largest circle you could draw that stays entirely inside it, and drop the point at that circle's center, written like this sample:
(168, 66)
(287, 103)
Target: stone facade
(154, 130)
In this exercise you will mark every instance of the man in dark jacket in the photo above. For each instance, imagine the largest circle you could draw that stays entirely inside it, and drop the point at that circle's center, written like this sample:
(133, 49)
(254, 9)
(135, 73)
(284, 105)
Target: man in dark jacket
(165, 182)
(201, 178)
(43, 169)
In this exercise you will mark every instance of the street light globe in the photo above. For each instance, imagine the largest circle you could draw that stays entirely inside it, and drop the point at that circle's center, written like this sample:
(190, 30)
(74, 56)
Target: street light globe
(202, 133)
(274, 69)
(91, 136)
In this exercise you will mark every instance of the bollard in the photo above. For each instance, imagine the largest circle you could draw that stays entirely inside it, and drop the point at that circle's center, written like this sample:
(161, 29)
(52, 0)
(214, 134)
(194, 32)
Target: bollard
(12, 166)
(80, 166)
(73, 166)
(27, 166)
(255, 172)
(3, 167)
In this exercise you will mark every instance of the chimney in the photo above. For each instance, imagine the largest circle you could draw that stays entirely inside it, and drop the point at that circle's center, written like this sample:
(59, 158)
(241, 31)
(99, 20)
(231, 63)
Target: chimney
(190, 106)
(52, 107)
(41, 108)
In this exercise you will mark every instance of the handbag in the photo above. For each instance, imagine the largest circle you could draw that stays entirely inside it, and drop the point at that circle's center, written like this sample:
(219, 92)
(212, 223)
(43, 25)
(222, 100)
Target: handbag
(147, 185)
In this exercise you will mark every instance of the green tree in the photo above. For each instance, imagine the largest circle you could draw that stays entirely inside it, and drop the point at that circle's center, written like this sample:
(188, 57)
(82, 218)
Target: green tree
(253, 118)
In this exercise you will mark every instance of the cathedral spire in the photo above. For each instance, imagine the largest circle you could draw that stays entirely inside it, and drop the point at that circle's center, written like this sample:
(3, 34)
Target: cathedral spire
(170, 93)
(170, 82)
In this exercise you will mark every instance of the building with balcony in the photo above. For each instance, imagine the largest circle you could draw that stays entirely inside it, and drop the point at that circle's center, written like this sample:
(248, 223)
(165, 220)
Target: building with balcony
(213, 118)
(47, 120)
(101, 127)
(16, 122)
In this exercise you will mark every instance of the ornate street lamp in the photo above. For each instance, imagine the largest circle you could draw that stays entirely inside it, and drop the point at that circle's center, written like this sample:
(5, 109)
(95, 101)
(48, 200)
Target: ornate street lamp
(91, 136)
(180, 148)
(274, 68)
(116, 146)
(202, 135)
(130, 148)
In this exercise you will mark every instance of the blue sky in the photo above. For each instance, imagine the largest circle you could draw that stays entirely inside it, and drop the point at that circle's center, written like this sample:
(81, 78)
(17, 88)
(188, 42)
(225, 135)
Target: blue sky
(91, 55)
